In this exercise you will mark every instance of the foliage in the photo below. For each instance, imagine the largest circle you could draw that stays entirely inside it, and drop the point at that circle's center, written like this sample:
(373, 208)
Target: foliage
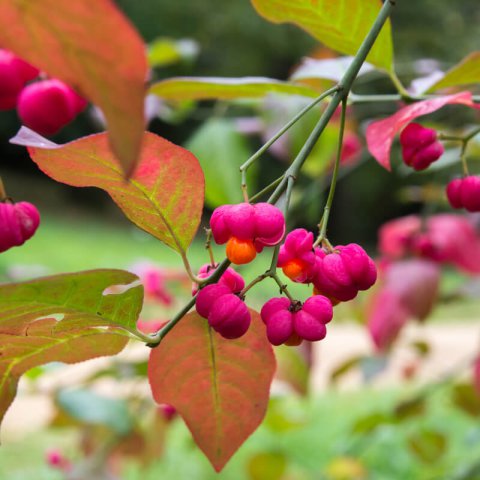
(216, 378)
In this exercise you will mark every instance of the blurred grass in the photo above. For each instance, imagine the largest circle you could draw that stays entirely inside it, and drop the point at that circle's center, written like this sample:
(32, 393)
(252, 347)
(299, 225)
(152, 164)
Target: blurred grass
(309, 434)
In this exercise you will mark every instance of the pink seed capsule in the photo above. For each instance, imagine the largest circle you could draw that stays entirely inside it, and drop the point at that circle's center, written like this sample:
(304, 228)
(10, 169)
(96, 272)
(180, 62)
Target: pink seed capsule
(48, 105)
(229, 316)
(420, 147)
(342, 273)
(280, 327)
(296, 257)
(454, 193)
(232, 279)
(14, 73)
(208, 295)
(269, 225)
(465, 193)
(18, 223)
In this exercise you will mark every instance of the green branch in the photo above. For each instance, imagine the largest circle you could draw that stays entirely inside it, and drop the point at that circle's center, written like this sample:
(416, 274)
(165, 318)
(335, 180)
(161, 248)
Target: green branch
(340, 95)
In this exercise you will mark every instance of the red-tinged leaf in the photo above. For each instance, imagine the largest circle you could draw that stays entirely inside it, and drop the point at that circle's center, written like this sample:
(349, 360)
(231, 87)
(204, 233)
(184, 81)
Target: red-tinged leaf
(416, 283)
(220, 387)
(164, 197)
(380, 134)
(65, 318)
(341, 25)
(467, 72)
(217, 88)
(92, 47)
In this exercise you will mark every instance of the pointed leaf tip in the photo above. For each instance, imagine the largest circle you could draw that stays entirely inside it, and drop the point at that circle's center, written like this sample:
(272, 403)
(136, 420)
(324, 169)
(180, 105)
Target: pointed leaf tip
(220, 387)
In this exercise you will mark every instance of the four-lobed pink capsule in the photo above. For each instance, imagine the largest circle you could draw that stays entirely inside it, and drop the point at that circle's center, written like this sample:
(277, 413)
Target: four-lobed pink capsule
(246, 229)
(465, 193)
(286, 321)
(18, 223)
(48, 105)
(420, 147)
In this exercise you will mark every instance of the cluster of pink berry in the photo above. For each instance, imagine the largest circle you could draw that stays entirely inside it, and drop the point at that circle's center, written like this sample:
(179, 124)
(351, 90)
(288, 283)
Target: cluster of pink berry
(221, 304)
(247, 229)
(18, 223)
(420, 148)
(46, 105)
(336, 274)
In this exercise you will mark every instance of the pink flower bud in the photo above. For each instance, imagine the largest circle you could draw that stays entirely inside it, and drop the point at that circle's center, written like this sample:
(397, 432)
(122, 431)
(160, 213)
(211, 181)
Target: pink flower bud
(18, 223)
(14, 73)
(229, 316)
(207, 296)
(465, 193)
(48, 105)
(420, 146)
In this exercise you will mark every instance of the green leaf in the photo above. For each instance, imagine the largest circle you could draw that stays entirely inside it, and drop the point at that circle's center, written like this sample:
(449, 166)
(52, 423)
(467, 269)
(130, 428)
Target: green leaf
(341, 25)
(428, 445)
(166, 51)
(466, 398)
(467, 72)
(267, 465)
(92, 47)
(90, 408)
(345, 367)
(410, 408)
(370, 422)
(281, 418)
(220, 149)
(220, 387)
(164, 197)
(216, 88)
(64, 318)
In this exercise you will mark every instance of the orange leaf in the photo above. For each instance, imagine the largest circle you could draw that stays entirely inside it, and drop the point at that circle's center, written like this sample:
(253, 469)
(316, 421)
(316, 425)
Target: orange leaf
(92, 47)
(164, 197)
(220, 387)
